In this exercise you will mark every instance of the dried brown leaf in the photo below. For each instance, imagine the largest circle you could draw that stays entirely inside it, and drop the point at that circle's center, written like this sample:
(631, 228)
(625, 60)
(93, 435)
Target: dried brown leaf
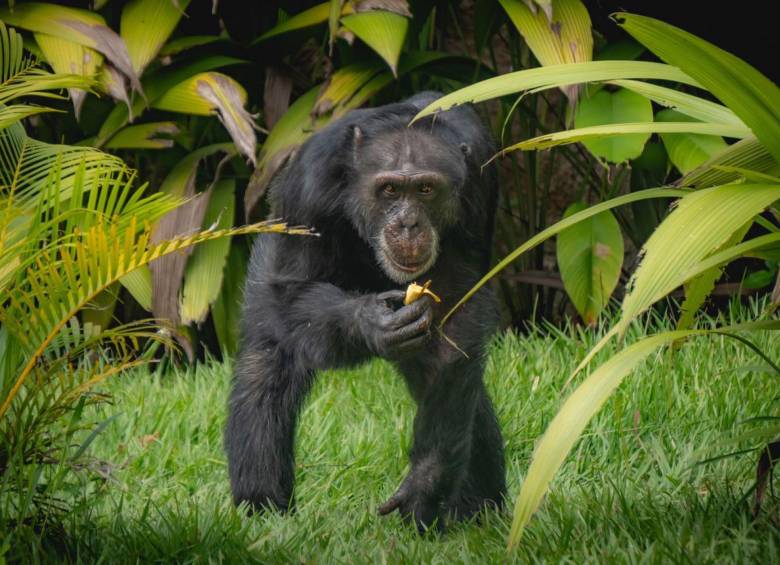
(167, 271)
(766, 463)
(148, 439)
(108, 42)
(400, 7)
(276, 95)
(115, 85)
(222, 94)
(261, 178)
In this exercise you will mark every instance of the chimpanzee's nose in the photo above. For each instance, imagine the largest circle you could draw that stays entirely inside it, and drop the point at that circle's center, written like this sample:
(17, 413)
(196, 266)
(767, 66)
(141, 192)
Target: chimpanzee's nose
(410, 224)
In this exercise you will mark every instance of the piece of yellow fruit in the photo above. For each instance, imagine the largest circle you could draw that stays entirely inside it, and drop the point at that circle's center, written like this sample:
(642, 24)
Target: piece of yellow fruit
(414, 291)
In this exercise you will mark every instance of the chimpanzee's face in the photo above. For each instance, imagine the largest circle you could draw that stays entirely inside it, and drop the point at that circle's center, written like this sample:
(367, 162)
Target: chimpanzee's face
(407, 186)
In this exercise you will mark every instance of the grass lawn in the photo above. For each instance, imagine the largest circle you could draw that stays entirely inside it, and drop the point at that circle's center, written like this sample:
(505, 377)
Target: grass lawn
(631, 491)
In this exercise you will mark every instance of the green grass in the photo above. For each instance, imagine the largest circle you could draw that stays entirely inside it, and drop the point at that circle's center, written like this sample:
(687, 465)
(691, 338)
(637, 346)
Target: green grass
(632, 491)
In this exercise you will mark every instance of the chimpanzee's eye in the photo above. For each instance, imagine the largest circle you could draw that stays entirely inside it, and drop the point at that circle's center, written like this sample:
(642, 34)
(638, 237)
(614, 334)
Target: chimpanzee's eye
(426, 189)
(389, 189)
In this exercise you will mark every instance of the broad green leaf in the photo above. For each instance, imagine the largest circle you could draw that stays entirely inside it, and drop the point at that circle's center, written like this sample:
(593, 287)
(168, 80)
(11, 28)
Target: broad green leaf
(748, 93)
(203, 275)
(574, 135)
(688, 150)
(365, 92)
(748, 153)
(139, 285)
(157, 83)
(99, 313)
(187, 96)
(702, 223)
(619, 107)
(578, 409)
(383, 31)
(693, 106)
(68, 57)
(622, 50)
(76, 25)
(752, 176)
(555, 76)
(343, 84)
(184, 172)
(226, 311)
(179, 44)
(699, 288)
(146, 25)
(557, 228)
(759, 279)
(144, 136)
(590, 254)
(215, 93)
(408, 63)
(291, 129)
(565, 37)
(313, 16)
(648, 170)
(745, 249)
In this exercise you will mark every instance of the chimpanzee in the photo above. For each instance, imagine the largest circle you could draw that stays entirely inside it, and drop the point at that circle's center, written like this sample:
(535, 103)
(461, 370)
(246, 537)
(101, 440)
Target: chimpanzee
(393, 204)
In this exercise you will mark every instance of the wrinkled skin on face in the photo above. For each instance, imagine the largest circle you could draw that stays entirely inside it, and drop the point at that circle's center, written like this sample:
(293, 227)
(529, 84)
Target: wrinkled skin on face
(407, 191)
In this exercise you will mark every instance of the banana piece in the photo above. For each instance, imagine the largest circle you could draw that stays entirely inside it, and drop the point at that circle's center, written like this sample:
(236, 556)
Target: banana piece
(414, 292)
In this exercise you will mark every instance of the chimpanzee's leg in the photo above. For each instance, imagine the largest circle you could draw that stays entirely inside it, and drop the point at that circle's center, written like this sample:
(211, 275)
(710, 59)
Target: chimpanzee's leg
(485, 483)
(447, 398)
(268, 391)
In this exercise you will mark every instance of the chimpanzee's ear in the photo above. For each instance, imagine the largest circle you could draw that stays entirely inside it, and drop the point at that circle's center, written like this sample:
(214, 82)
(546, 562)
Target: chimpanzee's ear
(465, 148)
(357, 142)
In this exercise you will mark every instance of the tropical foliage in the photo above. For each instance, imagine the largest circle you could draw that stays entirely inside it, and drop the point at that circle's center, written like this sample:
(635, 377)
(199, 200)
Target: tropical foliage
(98, 270)
(74, 224)
(702, 234)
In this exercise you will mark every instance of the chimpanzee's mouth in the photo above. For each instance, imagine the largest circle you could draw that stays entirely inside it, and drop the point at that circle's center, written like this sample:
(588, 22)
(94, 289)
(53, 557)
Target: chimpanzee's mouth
(408, 267)
(402, 271)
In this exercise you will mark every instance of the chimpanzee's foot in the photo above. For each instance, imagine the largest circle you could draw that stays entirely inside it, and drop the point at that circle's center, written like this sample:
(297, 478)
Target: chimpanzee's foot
(464, 507)
(416, 504)
(262, 497)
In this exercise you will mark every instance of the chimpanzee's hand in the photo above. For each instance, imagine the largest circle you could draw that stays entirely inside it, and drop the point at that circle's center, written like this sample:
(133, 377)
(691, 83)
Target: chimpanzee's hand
(392, 331)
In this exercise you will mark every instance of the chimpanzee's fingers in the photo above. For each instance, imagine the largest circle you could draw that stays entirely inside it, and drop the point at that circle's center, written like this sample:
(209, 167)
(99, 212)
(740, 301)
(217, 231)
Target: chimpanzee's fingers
(414, 311)
(394, 297)
(392, 503)
(418, 326)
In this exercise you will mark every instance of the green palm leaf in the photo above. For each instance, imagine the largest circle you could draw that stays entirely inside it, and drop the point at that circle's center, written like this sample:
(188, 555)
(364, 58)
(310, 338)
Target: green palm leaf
(598, 132)
(145, 27)
(748, 93)
(578, 409)
(555, 76)
(384, 32)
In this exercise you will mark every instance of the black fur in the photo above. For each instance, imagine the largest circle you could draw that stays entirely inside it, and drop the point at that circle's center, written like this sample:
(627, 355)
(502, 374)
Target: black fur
(313, 303)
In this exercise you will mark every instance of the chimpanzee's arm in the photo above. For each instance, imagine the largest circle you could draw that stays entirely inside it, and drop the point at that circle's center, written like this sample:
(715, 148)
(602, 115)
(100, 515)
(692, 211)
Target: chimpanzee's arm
(330, 327)
(291, 298)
